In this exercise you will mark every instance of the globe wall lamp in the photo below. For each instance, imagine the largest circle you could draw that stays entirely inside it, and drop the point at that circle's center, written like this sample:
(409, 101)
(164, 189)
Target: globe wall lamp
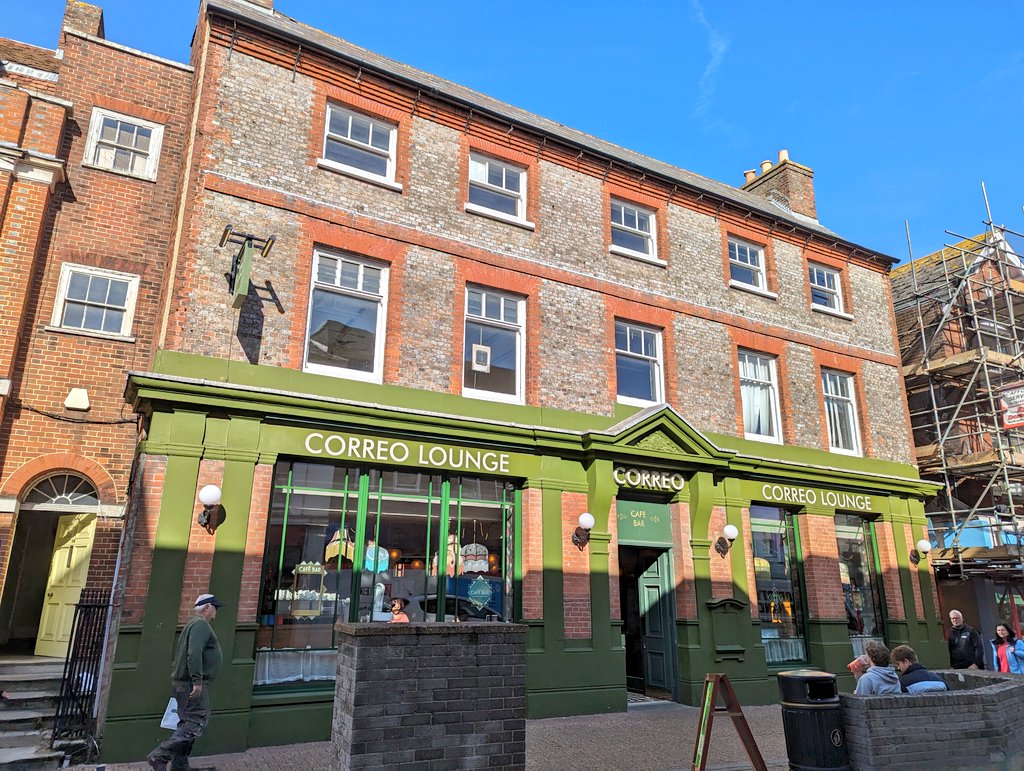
(724, 542)
(581, 536)
(923, 547)
(209, 518)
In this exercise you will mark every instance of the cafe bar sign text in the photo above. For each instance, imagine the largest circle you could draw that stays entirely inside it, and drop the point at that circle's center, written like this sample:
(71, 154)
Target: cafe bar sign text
(396, 452)
(807, 496)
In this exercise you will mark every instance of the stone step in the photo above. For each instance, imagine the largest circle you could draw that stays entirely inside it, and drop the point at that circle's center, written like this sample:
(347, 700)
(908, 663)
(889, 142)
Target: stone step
(24, 738)
(45, 701)
(39, 668)
(24, 719)
(31, 681)
(29, 758)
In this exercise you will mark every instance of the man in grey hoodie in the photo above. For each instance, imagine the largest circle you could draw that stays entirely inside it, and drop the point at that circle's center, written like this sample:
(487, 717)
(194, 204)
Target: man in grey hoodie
(880, 678)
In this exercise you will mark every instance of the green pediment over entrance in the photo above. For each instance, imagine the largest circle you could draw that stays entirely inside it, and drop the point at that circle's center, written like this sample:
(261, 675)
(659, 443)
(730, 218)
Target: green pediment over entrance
(657, 433)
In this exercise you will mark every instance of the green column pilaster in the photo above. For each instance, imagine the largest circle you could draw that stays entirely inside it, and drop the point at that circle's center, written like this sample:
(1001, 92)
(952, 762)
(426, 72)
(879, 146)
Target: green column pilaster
(140, 683)
(233, 689)
(695, 636)
(601, 490)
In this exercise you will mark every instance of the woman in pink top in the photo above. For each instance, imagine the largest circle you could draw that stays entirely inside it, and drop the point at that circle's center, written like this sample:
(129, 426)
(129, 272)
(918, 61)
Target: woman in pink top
(1007, 651)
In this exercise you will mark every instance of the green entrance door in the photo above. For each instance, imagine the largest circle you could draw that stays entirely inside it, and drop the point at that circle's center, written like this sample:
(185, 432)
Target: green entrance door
(655, 590)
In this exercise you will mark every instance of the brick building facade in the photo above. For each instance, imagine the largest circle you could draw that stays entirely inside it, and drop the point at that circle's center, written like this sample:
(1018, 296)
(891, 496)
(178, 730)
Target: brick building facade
(91, 139)
(434, 348)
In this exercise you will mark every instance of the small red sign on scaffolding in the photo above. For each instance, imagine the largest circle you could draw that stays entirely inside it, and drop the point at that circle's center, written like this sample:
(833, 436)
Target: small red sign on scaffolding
(713, 684)
(1012, 399)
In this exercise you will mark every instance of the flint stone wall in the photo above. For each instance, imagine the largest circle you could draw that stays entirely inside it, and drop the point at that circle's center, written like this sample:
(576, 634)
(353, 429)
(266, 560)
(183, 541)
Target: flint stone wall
(430, 696)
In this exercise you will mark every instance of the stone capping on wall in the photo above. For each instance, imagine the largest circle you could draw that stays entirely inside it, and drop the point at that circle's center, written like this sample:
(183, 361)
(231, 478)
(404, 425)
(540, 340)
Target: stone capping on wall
(421, 695)
(977, 724)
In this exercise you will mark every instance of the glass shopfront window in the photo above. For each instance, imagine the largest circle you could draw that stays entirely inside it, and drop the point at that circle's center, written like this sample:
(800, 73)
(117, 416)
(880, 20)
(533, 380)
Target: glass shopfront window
(343, 542)
(858, 572)
(777, 579)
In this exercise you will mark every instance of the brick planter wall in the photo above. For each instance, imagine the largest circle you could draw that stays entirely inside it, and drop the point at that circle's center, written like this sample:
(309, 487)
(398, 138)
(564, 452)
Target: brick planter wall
(976, 724)
(430, 696)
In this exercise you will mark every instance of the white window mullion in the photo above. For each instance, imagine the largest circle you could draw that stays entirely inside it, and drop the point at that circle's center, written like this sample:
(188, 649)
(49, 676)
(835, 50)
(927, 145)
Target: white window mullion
(841, 412)
(759, 395)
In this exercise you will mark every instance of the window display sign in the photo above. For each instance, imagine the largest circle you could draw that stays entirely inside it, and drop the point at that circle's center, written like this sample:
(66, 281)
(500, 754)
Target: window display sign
(643, 522)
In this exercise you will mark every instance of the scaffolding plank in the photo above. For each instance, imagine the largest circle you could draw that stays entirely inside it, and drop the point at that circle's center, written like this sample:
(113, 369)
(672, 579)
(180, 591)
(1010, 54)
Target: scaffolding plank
(959, 363)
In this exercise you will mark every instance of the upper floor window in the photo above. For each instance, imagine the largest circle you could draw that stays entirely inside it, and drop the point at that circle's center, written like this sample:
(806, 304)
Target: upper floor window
(840, 412)
(95, 300)
(494, 344)
(746, 264)
(346, 317)
(638, 364)
(825, 287)
(633, 230)
(496, 187)
(123, 144)
(360, 144)
(760, 394)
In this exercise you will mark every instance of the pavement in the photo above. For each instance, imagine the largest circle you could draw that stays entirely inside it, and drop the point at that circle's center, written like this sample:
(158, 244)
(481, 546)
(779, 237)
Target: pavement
(651, 736)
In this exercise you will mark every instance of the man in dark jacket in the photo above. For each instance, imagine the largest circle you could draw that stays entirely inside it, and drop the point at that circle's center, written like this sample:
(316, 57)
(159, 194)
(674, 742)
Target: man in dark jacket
(913, 677)
(196, 663)
(965, 645)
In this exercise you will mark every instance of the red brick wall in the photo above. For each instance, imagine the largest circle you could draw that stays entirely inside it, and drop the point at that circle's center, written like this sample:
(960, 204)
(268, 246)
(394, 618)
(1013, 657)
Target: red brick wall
(139, 548)
(199, 559)
(686, 593)
(575, 570)
(533, 554)
(890, 570)
(95, 218)
(721, 567)
(255, 540)
(821, 567)
(613, 564)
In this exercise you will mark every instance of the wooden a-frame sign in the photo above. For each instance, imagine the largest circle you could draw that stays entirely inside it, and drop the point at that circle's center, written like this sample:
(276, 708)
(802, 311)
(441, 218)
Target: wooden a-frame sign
(713, 685)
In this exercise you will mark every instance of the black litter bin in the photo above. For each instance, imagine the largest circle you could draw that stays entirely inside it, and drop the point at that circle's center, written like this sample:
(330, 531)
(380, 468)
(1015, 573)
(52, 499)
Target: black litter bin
(813, 720)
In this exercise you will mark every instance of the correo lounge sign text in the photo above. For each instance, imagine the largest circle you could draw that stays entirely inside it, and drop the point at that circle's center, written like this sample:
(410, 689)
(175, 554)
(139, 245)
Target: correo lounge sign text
(399, 453)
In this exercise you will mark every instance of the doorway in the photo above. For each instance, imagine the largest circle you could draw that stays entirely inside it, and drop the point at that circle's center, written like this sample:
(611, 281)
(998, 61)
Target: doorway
(647, 600)
(48, 567)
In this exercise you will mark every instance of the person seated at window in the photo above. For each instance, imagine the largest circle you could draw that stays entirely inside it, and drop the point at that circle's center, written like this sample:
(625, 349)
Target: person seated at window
(398, 615)
(914, 678)
(880, 678)
(1007, 650)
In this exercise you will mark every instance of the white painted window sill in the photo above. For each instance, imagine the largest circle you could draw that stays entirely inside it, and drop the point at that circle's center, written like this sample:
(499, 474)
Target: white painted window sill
(633, 402)
(840, 451)
(483, 211)
(492, 396)
(90, 333)
(343, 373)
(734, 284)
(763, 438)
(639, 256)
(348, 171)
(830, 312)
(140, 177)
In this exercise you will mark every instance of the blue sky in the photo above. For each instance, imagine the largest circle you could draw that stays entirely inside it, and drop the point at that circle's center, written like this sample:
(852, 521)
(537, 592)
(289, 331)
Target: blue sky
(902, 109)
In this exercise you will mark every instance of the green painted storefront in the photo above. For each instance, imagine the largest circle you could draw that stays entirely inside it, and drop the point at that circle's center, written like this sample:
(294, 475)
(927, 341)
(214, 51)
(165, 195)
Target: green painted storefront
(209, 409)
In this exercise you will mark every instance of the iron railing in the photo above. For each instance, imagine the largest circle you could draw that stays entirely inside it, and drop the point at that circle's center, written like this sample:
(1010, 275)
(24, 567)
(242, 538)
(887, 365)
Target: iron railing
(75, 721)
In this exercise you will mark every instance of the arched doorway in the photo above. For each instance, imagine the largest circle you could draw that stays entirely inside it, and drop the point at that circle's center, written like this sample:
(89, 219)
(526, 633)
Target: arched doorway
(49, 564)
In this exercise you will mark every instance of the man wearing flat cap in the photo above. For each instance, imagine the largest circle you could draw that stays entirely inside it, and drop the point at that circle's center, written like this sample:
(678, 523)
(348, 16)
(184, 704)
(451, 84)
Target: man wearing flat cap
(196, 663)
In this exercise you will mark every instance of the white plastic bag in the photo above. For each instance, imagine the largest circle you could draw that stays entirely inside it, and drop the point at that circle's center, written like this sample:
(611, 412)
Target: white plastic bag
(170, 718)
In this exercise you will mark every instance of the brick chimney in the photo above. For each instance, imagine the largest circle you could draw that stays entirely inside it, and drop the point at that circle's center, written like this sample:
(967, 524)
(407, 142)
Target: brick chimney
(83, 17)
(788, 184)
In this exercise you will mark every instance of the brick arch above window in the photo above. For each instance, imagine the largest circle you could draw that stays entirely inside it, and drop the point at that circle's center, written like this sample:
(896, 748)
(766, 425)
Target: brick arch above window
(25, 477)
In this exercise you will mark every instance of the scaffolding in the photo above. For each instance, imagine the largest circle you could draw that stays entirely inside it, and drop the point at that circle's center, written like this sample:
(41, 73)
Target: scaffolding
(960, 322)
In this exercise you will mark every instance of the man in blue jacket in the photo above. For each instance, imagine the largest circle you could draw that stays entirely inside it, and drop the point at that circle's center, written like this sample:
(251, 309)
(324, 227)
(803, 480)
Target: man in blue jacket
(914, 678)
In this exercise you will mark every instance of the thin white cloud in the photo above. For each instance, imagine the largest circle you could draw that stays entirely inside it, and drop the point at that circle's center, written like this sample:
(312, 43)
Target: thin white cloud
(718, 45)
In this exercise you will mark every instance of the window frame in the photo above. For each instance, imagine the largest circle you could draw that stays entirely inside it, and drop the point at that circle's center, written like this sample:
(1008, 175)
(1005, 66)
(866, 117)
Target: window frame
(651, 236)
(388, 179)
(658, 361)
(788, 531)
(851, 400)
(761, 270)
(521, 219)
(837, 292)
(519, 397)
(93, 141)
(377, 374)
(774, 400)
(61, 298)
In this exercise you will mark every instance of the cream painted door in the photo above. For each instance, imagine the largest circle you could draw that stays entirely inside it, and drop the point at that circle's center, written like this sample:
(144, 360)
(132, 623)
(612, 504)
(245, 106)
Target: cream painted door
(69, 567)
